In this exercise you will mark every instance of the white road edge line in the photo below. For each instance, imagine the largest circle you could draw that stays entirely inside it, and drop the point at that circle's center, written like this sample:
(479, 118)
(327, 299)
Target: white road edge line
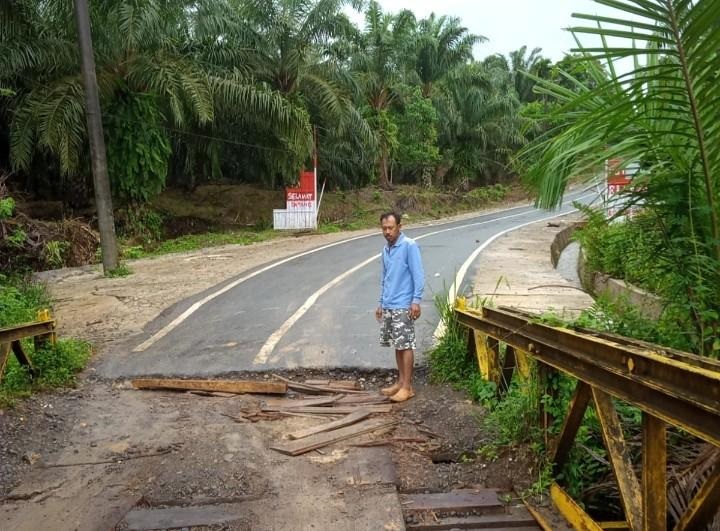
(452, 292)
(267, 349)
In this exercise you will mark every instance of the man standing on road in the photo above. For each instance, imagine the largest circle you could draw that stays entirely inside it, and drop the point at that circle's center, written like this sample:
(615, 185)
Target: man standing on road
(401, 290)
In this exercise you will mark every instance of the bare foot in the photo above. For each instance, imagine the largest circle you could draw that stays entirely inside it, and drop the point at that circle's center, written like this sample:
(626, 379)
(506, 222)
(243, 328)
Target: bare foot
(389, 391)
(402, 395)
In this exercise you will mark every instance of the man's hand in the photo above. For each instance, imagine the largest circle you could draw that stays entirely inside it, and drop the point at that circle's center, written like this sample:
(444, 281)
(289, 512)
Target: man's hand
(414, 311)
(378, 313)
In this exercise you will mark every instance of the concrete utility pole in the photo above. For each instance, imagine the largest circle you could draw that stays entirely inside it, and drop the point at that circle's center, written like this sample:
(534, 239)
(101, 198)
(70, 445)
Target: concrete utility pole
(101, 182)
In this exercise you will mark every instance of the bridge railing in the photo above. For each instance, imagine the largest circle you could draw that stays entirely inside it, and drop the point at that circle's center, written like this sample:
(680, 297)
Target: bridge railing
(42, 331)
(670, 387)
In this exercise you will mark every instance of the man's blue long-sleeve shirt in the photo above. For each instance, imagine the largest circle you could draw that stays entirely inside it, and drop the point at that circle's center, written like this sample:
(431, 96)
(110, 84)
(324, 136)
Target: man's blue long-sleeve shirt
(403, 280)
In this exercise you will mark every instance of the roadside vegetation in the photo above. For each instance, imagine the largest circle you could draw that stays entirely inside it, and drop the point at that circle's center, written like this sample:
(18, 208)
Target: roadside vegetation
(56, 365)
(662, 116)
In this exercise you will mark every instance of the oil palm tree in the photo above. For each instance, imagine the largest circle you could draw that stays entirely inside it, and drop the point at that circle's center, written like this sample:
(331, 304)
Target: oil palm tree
(145, 48)
(479, 124)
(293, 52)
(442, 44)
(379, 65)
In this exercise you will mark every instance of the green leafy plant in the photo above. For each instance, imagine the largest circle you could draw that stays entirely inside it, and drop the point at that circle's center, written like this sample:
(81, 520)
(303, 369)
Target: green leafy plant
(54, 252)
(137, 156)
(7, 207)
(661, 115)
(121, 270)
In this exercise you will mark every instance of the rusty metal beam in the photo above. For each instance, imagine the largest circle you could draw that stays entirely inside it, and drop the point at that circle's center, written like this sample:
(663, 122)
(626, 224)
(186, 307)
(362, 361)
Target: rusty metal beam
(21, 331)
(571, 511)
(676, 392)
(704, 506)
(654, 473)
(563, 443)
(627, 481)
(508, 369)
(687, 357)
(487, 352)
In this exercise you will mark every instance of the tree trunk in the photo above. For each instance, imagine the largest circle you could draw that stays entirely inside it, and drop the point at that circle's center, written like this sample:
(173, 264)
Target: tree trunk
(103, 198)
(442, 170)
(383, 178)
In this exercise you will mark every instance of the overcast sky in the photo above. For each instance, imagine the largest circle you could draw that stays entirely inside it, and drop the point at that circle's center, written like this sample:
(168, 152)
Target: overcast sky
(509, 24)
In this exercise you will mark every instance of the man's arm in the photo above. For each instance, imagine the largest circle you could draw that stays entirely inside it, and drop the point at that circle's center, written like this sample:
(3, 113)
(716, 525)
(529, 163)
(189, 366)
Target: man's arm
(418, 279)
(417, 272)
(378, 310)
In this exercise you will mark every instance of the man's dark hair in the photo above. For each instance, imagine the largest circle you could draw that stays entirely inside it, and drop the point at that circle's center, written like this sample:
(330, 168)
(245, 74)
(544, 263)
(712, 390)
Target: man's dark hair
(392, 213)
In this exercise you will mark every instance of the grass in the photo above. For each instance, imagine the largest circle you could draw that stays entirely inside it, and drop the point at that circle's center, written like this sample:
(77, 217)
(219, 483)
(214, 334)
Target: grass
(56, 366)
(192, 242)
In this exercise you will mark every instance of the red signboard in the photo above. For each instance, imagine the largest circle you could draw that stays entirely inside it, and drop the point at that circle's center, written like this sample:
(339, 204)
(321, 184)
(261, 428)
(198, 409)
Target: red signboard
(303, 196)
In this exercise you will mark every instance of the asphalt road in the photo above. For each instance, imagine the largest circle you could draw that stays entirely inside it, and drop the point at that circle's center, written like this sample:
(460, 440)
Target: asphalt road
(315, 309)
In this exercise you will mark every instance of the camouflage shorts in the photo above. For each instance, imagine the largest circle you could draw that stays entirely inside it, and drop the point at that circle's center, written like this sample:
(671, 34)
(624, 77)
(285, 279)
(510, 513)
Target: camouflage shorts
(397, 329)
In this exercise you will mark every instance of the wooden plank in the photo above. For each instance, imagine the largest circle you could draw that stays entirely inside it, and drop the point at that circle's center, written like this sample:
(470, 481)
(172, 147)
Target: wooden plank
(370, 398)
(458, 501)
(333, 410)
(21, 331)
(336, 384)
(312, 389)
(225, 386)
(23, 358)
(628, 484)
(704, 506)
(182, 517)
(654, 473)
(571, 511)
(352, 418)
(563, 443)
(324, 439)
(288, 403)
(516, 519)
(4, 357)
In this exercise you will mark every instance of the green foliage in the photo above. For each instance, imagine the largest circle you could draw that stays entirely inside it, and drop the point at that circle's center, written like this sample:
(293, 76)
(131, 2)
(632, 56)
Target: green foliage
(417, 152)
(140, 223)
(20, 300)
(636, 250)
(137, 155)
(56, 367)
(54, 253)
(486, 194)
(17, 238)
(663, 116)
(122, 270)
(7, 207)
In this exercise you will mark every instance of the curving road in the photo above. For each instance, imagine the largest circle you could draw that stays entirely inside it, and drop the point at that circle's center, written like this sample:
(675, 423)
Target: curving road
(314, 309)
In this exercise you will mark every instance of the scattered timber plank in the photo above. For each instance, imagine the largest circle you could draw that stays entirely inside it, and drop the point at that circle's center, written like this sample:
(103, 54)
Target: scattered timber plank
(517, 519)
(370, 398)
(352, 418)
(459, 501)
(223, 386)
(288, 403)
(336, 384)
(333, 410)
(312, 389)
(319, 440)
(178, 517)
(392, 440)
